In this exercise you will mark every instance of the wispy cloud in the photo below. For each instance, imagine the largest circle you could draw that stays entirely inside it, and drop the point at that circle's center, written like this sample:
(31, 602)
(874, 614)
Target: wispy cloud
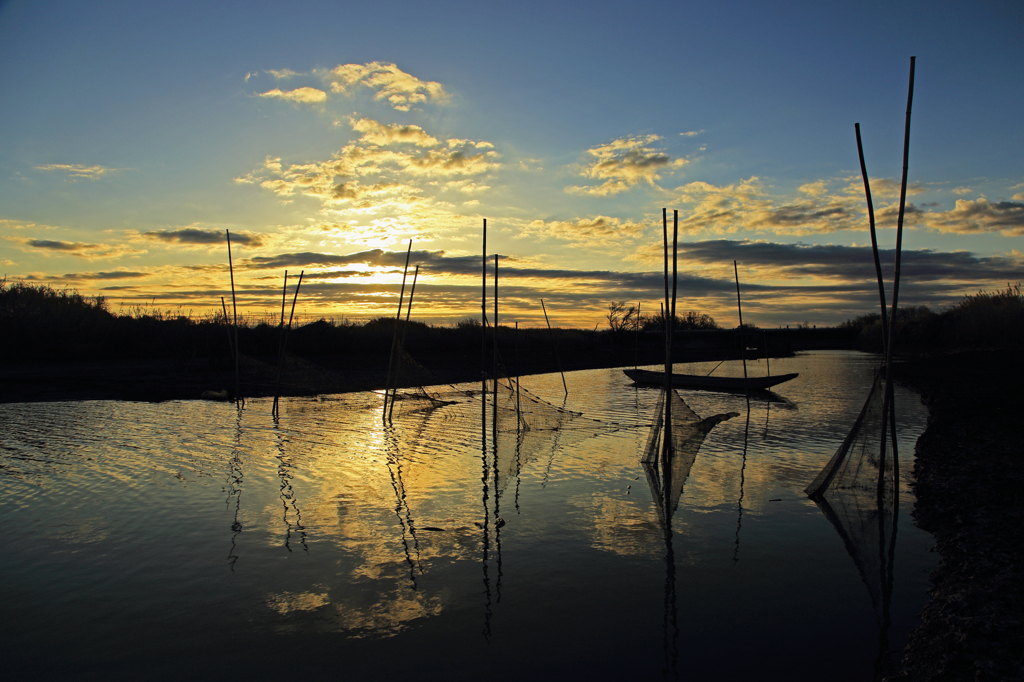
(400, 89)
(193, 236)
(624, 163)
(79, 249)
(76, 170)
(303, 95)
(598, 230)
(104, 276)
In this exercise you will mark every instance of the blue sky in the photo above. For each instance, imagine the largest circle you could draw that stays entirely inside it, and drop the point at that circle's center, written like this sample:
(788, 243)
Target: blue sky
(326, 135)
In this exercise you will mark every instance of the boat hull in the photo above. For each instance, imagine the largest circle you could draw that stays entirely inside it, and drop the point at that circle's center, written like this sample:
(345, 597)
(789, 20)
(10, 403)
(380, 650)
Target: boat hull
(649, 378)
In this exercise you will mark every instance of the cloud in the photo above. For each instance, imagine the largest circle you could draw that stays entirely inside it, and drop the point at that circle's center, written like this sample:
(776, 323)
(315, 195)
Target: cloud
(304, 95)
(77, 170)
(980, 216)
(105, 276)
(623, 164)
(400, 89)
(194, 236)
(692, 133)
(591, 231)
(79, 249)
(368, 175)
(382, 135)
(961, 190)
(887, 187)
(851, 263)
(281, 73)
(819, 208)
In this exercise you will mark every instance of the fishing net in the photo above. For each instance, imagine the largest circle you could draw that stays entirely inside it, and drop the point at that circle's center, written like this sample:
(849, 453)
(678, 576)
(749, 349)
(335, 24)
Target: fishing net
(668, 457)
(858, 492)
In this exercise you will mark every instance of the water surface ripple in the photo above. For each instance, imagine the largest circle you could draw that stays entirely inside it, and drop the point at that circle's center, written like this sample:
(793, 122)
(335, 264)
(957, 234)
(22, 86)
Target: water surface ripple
(200, 538)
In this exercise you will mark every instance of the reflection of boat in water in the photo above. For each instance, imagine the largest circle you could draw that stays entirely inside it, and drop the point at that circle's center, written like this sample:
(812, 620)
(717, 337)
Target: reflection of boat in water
(648, 377)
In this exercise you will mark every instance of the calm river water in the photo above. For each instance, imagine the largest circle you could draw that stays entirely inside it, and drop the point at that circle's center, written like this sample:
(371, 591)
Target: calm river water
(192, 538)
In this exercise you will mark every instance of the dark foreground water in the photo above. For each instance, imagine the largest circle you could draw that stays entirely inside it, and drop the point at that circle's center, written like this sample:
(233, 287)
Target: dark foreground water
(187, 538)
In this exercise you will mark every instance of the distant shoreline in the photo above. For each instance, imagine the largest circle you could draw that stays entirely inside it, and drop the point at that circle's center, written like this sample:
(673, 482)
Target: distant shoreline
(157, 380)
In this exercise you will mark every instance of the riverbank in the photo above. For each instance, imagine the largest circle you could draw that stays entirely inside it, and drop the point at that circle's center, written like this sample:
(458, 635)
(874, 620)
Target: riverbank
(969, 472)
(159, 379)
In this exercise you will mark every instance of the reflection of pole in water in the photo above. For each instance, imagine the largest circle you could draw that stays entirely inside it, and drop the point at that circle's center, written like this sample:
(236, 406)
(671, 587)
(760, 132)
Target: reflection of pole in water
(485, 482)
(883, 666)
(234, 485)
(670, 613)
(739, 504)
(400, 504)
(288, 493)
(498, 523)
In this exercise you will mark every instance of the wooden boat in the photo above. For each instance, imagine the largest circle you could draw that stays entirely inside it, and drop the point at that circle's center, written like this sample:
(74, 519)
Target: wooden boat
(649, 378)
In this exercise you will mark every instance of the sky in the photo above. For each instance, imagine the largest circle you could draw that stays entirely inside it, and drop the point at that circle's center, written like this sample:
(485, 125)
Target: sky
(327, 135)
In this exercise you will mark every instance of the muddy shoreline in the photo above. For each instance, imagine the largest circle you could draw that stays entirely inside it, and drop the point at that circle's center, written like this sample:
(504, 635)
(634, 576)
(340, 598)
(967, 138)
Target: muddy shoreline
(969, 472)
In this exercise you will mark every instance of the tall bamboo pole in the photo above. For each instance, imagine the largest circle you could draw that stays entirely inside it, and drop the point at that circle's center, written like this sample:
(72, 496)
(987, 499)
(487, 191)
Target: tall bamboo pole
(483, 309)
(394, 337)
(874, 241)
(495, 337)
(888, 400)
(401, 346)
(666, 444)
(234, 310)
(743, 339)
(483, 364)
(675, 262)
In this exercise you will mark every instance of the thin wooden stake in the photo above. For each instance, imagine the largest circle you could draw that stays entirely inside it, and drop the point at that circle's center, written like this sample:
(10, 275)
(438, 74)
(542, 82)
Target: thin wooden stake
(234, 311)
(636, 337)
(394, 337)
(227, 328)
(743, 339)
(401, 346)
(518, 412)
(284, 341)
(558, 358)
(280, 340)
(767, 361)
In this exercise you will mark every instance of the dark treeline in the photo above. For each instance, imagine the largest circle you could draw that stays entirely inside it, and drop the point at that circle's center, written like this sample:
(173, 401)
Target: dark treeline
(982, 320)
(42, 323)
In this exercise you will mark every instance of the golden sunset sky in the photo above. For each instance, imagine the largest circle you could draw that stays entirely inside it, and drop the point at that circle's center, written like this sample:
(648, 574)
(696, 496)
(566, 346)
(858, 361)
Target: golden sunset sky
(327, 135)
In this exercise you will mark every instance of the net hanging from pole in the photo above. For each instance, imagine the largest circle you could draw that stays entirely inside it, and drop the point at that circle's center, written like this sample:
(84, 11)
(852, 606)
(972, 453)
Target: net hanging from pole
(667, 461)
(858, 491)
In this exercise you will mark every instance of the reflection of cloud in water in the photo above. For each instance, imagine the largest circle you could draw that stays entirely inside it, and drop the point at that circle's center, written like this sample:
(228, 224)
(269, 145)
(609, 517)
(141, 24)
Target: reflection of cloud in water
(389, 615)
(620, 526)
(286, 602)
